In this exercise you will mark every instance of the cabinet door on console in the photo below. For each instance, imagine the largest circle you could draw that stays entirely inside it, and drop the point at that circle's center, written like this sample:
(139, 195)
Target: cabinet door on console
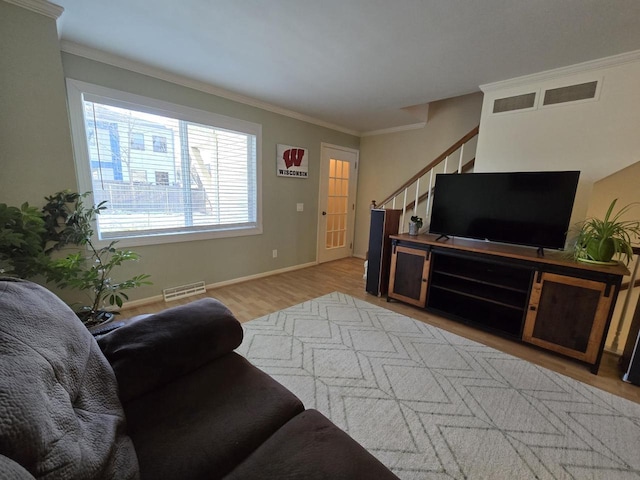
(568, 315)
(409, 273)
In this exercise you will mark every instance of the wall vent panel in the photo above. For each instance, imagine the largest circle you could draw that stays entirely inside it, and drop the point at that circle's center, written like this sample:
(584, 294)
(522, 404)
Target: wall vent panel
(572, 93)
(182, 291)
(518, 102)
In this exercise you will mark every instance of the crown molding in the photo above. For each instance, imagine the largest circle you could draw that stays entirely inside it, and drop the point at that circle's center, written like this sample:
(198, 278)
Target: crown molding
(557, 73)
(401, 128)
(39, 6)
(138, 67)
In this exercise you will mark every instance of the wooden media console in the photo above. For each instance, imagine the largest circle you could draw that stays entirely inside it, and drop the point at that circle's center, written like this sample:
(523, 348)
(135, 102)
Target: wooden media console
(550, 301)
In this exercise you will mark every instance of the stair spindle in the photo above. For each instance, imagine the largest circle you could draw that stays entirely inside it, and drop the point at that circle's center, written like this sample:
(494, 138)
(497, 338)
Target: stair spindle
(404, 208)
(429, 194)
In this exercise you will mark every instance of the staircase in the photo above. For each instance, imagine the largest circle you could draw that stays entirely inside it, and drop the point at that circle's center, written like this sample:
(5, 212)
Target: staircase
(414, 197)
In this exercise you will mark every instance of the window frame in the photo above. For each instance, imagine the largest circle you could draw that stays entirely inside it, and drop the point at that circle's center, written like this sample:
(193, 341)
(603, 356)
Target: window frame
(78, 91)
(134, 144)
(159, 143)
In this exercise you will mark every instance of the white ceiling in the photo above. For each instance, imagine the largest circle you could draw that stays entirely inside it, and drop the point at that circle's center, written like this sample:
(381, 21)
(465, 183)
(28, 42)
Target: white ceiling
(353, 63)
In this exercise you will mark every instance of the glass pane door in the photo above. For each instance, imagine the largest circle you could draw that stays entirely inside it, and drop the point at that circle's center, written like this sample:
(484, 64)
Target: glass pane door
(338, 201)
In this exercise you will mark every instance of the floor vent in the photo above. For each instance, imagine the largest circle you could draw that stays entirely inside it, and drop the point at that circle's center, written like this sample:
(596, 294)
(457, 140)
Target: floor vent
(518, 102)
(572, 93)
(182, 291)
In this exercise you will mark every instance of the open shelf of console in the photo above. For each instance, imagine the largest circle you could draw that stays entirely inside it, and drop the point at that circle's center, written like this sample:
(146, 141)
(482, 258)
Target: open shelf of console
(486, 292)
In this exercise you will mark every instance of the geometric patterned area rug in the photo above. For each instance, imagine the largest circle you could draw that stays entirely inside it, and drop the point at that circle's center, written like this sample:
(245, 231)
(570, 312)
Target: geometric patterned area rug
(433, 405)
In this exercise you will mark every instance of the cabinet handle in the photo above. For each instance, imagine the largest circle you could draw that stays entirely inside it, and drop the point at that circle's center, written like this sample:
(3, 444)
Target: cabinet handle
(424, 280)
(532, 308)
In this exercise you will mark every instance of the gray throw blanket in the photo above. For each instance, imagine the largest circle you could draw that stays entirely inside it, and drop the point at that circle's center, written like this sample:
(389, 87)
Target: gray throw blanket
(60, 416)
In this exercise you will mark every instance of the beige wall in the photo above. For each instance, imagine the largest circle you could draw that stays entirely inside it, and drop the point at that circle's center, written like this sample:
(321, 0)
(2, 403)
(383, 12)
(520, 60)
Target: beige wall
(623, 185)
(35, 144)
(36, 156)
(388, 160)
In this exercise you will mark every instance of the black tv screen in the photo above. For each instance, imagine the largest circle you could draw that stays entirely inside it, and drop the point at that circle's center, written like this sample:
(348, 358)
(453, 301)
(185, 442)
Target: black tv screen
(525, 208)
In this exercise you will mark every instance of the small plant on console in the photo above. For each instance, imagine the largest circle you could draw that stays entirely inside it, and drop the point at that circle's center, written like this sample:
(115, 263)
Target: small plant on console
(600, 240)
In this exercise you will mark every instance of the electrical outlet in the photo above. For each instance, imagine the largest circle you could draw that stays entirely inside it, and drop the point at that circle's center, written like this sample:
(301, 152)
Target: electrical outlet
(275, 254)
(300, 207)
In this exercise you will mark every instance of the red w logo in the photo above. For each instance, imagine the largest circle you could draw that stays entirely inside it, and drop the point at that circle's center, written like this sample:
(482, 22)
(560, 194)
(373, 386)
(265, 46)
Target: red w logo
(293, 156)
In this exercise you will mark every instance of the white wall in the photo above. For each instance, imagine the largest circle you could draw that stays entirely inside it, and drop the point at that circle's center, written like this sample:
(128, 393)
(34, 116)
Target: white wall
(596, 137)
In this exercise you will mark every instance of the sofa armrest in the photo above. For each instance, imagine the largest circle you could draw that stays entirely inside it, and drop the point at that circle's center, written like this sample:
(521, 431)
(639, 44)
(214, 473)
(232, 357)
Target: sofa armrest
(152, 350)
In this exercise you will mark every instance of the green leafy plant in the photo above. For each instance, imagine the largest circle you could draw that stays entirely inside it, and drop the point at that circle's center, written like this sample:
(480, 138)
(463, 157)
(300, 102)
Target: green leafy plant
(417, 220)
(69, 222)
(600, 240)
(22, 241)
(35, 243)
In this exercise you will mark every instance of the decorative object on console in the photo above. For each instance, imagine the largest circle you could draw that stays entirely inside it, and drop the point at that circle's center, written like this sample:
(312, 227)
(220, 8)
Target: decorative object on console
(415, 225)
(600, 240)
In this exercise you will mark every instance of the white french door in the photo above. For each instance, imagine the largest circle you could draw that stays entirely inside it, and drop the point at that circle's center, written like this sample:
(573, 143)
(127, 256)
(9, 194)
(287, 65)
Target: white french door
(336, 205)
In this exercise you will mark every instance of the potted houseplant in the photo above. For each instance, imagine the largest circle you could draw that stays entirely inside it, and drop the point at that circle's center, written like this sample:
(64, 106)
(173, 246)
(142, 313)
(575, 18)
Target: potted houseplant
(415, 225)
(598, 241)
(21, 241)
(36, 243)
(69, 222)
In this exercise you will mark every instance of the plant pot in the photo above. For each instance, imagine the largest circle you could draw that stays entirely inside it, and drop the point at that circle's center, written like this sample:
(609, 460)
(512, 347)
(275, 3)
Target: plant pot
(100, 317)
(413, 228)
(601, 250)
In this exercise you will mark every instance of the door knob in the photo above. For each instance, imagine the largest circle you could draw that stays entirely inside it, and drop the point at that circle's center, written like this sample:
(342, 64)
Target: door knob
(324, 213)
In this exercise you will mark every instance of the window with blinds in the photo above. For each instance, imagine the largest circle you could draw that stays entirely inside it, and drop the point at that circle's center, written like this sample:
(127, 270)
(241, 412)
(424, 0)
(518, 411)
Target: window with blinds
(167, 172)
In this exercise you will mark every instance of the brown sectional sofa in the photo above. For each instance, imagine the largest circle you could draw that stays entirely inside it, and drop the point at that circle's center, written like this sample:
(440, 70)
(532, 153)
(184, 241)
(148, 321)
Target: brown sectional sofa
(163, 397)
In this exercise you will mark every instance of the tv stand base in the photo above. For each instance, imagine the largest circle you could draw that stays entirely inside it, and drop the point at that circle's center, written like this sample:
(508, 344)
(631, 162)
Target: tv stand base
(551, 301)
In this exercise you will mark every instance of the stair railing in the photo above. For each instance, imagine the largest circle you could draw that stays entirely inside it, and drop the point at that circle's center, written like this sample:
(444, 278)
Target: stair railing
(628, 286)
(415, 186)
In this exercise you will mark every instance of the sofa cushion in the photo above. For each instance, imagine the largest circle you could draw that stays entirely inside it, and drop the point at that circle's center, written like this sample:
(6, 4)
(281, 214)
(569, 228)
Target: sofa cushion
(152, 350)
(60, 416)
(12, 470)
(201, 425)
(310, 447)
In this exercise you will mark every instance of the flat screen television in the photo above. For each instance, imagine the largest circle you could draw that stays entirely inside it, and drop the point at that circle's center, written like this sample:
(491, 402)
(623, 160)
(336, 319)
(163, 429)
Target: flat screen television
(525, 208)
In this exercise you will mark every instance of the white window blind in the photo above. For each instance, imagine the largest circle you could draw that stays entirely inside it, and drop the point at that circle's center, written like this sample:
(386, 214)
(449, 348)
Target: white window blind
(166, 172)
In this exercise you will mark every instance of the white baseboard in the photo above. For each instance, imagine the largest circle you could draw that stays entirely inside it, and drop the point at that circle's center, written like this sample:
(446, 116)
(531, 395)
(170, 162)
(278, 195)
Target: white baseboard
(260, 275)
(212, 286)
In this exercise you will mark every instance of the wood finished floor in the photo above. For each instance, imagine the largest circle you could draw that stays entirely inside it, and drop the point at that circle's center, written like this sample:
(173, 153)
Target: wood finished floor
(255, 298)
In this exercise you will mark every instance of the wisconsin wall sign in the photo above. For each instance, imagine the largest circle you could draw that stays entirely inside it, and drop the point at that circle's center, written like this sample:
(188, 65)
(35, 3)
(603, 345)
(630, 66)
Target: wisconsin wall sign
(292, 161)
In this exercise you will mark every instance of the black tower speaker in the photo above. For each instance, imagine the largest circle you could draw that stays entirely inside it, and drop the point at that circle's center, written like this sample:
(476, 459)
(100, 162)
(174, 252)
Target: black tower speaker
(383, 224)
